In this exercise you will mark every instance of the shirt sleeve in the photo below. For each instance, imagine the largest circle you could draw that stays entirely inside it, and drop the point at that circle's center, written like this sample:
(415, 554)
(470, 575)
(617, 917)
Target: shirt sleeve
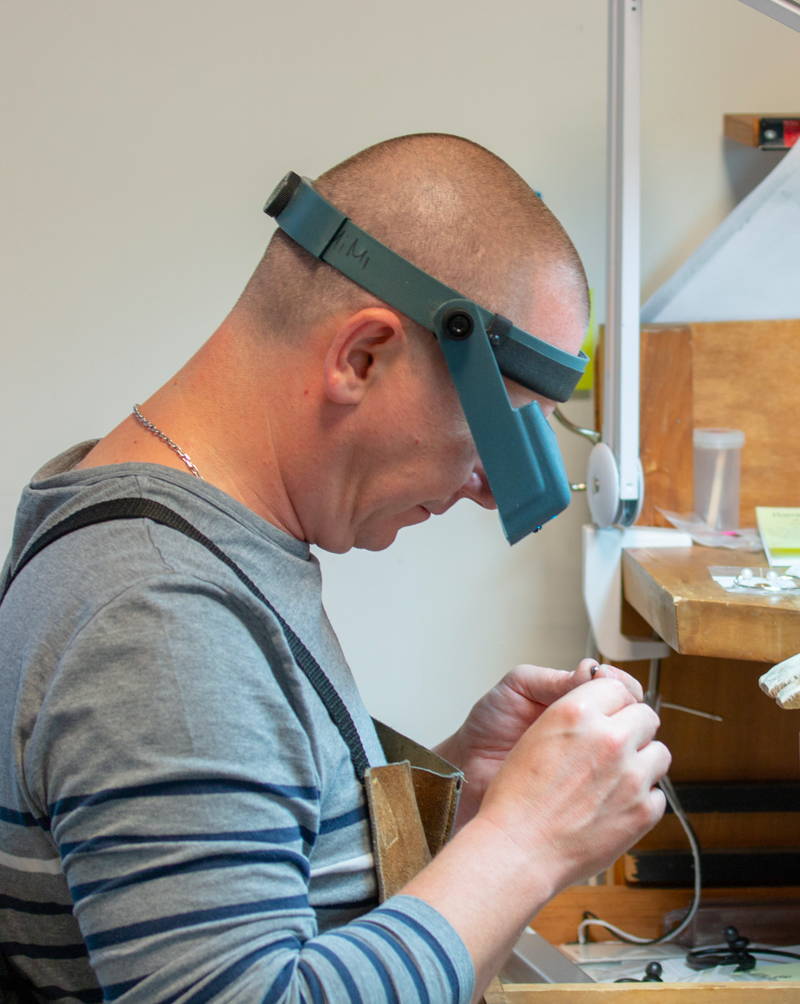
(183, 787)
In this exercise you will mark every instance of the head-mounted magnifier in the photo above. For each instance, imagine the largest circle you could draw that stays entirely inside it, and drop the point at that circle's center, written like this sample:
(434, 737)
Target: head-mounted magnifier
(517, 447)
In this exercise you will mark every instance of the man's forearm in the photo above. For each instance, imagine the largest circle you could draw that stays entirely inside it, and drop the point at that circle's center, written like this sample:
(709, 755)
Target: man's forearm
(488, 889)
(575, 792)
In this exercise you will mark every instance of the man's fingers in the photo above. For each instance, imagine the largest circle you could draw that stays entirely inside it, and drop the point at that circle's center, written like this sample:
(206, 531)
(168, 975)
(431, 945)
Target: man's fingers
(660, 758)
(542, 684)
(545, 686)
(636, 724)
(658, 803)
(594, 669)
(590, 669)
(587, 669)
(653, 761)
(604, 694)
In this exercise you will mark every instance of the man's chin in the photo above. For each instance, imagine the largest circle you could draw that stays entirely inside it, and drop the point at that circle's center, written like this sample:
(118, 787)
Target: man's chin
(378, 538)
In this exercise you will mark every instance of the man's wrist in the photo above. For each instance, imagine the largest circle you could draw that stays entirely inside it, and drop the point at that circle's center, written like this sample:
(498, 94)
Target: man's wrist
(451, 749)
(536, 871)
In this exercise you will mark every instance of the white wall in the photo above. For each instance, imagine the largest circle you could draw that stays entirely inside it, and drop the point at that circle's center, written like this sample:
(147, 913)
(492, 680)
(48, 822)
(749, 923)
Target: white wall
(139, 142)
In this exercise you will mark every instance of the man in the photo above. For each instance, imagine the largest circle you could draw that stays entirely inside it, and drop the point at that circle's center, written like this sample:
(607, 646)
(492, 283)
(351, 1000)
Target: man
(181, 817)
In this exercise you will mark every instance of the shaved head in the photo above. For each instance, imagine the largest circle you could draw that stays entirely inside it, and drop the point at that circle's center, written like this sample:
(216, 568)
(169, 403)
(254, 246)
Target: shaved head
(446, 204)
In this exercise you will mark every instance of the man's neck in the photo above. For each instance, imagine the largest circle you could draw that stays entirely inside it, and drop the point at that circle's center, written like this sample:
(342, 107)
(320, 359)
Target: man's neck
(216, 411)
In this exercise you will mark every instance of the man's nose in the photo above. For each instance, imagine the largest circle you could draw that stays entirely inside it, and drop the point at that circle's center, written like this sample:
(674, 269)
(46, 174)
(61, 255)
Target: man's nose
(476, 488)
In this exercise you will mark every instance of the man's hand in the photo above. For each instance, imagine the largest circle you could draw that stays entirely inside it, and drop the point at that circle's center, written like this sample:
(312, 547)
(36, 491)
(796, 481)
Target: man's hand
(580, 785)
(577, 789)
(500, 718)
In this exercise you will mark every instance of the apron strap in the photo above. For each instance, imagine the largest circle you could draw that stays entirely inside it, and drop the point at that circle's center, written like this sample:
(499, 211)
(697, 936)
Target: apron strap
(143, 508)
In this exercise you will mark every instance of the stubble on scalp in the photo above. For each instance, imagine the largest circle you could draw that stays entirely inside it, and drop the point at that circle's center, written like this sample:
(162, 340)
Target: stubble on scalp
(446, 204)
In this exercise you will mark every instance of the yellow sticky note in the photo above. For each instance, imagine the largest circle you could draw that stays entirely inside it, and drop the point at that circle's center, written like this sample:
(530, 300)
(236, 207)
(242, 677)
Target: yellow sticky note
(586, 382)
(780, 533)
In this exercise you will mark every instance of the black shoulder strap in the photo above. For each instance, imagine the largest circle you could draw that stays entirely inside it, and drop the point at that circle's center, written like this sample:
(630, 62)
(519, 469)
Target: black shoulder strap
(141, 508)
(14, 989)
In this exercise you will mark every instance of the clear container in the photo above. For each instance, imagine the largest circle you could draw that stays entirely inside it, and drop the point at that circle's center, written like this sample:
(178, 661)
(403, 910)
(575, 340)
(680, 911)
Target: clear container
(717, 473)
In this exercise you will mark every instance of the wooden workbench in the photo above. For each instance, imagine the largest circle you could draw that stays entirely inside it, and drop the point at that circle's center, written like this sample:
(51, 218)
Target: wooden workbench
(632, 993)
(671, 588)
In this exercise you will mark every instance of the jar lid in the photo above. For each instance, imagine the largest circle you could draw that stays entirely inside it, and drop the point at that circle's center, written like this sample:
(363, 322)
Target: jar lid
(718, 439)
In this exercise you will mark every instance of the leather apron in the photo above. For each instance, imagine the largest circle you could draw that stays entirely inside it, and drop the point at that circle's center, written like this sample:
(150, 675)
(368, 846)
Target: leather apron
(412, 803)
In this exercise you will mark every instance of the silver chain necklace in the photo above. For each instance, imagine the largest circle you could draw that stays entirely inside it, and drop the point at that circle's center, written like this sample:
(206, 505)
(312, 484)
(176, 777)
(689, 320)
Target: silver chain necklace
(165, 438)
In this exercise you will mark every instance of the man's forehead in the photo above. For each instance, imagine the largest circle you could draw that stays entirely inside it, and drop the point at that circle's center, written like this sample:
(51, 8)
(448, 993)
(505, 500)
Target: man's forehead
(552, 305)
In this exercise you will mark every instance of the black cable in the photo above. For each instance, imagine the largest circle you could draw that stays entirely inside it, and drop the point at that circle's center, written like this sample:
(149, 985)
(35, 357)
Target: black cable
(738, 951)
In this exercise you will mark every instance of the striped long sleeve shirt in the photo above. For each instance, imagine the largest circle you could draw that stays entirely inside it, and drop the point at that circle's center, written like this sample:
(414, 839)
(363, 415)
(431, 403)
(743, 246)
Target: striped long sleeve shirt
(179, 817)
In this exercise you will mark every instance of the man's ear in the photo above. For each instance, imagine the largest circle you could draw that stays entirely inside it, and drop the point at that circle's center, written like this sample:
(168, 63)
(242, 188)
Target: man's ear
(363, 347)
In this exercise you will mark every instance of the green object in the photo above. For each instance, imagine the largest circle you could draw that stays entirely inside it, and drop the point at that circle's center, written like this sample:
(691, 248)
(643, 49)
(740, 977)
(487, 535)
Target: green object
(589, 346)
(779, 527)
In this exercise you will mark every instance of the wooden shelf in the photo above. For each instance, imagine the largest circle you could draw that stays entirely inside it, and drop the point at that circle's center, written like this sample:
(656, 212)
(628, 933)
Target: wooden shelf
(674, 592)
(765, 131)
